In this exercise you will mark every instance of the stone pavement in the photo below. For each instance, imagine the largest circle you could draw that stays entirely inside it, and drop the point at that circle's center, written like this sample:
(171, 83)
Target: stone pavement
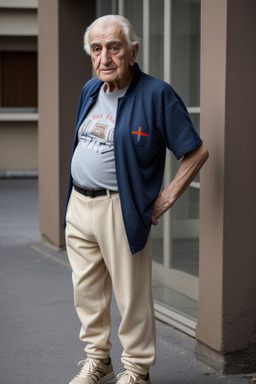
(39, 328)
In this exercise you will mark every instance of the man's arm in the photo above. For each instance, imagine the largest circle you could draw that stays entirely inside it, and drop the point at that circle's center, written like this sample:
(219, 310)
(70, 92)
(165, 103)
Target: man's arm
(188, 169)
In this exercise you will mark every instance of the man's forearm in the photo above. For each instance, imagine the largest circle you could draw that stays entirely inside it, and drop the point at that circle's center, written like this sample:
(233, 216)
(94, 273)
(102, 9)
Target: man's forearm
(190, 166)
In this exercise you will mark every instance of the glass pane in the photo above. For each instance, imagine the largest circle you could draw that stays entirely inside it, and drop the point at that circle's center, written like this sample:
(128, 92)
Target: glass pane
(186, 208)
(156, 28)
(133, 10)
(185, 228)
(185, 49)
(185, 75)
(195, 118)
(172, 299)
(104, 7)
(156, 41)
(185, 236)
(157, 242)
(185, 255)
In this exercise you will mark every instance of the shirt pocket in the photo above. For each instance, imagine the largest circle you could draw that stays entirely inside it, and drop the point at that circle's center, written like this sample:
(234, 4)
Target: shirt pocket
(140, 136)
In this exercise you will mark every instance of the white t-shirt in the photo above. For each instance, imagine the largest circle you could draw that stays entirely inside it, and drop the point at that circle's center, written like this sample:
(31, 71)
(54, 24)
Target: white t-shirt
(93, 162)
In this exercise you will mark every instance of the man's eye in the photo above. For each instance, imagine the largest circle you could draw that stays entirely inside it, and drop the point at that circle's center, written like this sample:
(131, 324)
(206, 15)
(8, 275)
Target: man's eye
(96, 50)
(114, 48)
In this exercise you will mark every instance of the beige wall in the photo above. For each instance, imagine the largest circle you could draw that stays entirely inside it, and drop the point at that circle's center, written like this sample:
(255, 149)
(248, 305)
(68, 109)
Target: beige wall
(18, 146)
(19, 3)
(226, 329)
(63, 69)
(22, 22)
(18, 131)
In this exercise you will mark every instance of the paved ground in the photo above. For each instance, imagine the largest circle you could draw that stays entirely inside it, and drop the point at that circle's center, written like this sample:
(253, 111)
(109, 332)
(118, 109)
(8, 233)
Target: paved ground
(38, 325)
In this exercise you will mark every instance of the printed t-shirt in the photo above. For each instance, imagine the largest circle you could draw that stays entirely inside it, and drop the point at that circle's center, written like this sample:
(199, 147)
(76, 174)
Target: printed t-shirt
(93, 163)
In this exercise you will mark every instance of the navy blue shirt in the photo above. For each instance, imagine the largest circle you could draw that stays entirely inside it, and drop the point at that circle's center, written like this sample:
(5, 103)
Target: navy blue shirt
(150, 118)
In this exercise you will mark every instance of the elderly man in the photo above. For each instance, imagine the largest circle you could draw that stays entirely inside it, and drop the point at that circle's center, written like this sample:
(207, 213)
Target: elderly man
(125, 121)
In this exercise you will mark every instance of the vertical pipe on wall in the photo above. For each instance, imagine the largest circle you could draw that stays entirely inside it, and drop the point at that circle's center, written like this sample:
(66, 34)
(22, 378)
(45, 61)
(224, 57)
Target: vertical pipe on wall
(167, 251)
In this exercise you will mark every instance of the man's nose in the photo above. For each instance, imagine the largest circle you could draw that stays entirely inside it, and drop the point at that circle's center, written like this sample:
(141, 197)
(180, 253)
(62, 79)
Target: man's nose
(105, 56)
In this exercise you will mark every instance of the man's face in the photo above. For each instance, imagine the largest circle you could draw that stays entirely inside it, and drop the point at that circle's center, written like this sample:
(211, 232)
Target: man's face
(111, 57)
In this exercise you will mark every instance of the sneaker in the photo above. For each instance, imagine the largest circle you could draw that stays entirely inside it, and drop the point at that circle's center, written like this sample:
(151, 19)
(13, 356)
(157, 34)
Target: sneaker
(93, 372)
(128, 377)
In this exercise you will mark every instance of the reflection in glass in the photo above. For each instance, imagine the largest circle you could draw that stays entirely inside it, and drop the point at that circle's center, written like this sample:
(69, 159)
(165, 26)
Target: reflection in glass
(185, 75)
(185, 236)
(104, 7)
(133, 11)
(185, 45)
(175, 240)
(156, 60)
(156, 30)
(157, 242)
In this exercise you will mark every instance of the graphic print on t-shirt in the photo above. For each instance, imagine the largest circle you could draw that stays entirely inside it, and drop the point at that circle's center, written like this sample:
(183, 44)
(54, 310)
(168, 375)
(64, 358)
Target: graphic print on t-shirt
(93, 163)
(99, 130)
(97, 135)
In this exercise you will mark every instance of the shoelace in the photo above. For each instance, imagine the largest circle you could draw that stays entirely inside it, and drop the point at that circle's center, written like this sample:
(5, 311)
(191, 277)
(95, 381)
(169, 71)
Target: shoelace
(88, 367)
(130, 375)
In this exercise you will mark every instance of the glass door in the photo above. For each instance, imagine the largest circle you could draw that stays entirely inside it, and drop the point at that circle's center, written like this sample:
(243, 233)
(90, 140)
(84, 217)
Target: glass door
(176, 241)
(170, 50)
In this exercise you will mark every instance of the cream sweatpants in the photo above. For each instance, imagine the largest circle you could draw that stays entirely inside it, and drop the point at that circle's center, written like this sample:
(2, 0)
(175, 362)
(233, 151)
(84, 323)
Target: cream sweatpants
(100, 258)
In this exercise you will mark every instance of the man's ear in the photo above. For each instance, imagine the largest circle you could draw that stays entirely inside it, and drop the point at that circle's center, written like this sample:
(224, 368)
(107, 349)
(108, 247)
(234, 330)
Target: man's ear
(134, 53)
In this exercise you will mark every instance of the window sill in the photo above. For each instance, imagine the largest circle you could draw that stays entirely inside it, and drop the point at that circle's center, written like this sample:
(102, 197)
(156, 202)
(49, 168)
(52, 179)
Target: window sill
(14, 116)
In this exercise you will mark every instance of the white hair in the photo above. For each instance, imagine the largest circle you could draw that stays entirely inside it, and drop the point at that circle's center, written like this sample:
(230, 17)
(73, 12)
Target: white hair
(127, 27)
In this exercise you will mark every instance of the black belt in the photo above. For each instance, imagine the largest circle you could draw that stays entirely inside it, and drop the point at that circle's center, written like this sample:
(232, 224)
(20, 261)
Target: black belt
(90, 191)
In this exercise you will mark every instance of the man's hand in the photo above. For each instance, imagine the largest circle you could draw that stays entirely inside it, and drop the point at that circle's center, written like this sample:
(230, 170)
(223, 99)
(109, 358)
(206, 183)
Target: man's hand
(159, 208)
(190, 166)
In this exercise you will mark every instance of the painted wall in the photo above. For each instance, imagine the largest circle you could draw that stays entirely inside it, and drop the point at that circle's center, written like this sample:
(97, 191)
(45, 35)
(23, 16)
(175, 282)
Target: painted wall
(226, 329)
(63, 70)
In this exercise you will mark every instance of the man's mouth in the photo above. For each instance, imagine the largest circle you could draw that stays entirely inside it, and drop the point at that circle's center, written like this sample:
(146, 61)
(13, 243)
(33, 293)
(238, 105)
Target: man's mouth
(107, 70)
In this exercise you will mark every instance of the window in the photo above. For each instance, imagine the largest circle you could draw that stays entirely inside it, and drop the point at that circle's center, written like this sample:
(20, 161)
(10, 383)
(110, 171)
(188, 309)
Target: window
(170, 50)
(19, 79)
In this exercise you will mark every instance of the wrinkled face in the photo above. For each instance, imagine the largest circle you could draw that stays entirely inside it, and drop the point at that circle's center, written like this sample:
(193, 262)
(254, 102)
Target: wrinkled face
(111, 56)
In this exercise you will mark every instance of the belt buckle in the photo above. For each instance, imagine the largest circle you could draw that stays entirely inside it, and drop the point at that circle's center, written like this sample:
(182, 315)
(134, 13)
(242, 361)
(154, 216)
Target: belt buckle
(90, 192)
